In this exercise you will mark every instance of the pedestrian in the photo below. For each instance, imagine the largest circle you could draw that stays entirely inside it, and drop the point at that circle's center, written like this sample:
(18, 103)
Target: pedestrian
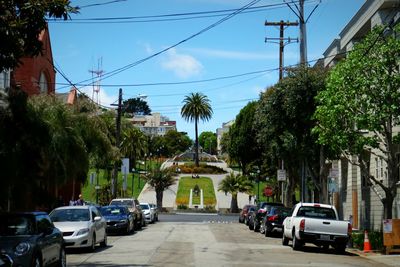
(80, 201)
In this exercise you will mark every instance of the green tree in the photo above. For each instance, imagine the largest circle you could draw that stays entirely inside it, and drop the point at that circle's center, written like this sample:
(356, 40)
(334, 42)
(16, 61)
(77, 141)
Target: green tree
(22, 22)
(196, 107)
(208, 141)
(234, 184)
(133, 144)
(243, 147)
(160, 180)
(359, 110)
(284, 122)
(176, 142)
(45, 150)
(135, 106)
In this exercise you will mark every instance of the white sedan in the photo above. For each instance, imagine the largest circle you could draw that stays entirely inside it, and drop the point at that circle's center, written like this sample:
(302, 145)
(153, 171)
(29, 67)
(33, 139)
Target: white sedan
(82, 226)
(148, 212)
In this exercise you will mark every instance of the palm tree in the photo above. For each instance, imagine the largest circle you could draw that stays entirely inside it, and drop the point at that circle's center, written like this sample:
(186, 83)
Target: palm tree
(196, 106)
(234, 184)
(133, 144)
(160, 180)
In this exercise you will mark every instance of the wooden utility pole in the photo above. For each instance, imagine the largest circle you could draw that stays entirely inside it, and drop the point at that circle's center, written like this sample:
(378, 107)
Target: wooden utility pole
(282, 41)
(303, 34)
(114, 188)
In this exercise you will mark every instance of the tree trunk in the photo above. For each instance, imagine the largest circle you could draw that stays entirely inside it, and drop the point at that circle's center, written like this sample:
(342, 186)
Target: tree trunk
(159, 197)
(196, 144)
(234, 204)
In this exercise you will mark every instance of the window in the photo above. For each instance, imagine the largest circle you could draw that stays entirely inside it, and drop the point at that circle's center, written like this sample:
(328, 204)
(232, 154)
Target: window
(376, 168)
(381, 169)
(43, 84)
(4, 80)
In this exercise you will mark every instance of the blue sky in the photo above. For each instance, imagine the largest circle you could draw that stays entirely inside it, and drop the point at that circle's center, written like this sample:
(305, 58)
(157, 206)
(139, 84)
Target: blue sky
(234, 47)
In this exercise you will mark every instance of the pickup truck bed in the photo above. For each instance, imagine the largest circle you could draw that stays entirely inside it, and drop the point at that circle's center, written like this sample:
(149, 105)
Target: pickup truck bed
(318, 224)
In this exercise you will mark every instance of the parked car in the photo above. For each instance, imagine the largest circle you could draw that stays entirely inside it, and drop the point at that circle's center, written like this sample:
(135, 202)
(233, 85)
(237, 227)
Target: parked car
(243, 212)
(134, 207)
(248, 216)
(30, 239)
(118, 218)
(154, 207)
(82, 226)
(318, 224)
(261, 210)
(148, 212)
(272, 221)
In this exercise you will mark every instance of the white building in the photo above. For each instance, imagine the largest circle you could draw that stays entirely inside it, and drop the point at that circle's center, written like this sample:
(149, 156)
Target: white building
(154, 124)
(220, 133)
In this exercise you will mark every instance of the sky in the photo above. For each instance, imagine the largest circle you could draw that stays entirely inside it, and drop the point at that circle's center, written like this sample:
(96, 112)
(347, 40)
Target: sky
(167, 49)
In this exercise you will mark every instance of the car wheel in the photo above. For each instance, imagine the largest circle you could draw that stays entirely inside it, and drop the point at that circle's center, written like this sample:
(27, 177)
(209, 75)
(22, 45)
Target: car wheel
(36, 262)
(296, 244)
(103, 243)
(267, 231)
(285, 240)
(62, 261)
(93, 245)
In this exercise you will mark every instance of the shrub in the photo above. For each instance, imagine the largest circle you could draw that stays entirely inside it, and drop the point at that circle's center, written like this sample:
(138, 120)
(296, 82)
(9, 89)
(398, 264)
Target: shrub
(375, 238)
(182, 207)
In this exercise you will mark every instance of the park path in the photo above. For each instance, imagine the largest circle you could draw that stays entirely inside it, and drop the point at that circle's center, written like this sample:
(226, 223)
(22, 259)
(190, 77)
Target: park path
(223, 200)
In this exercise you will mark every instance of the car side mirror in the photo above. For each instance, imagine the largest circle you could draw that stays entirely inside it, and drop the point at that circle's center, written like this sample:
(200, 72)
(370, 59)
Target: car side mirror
(97, 218)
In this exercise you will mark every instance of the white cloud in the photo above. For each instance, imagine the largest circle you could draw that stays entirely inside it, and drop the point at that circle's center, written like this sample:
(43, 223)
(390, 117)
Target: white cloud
(183, 65)
(104, 98)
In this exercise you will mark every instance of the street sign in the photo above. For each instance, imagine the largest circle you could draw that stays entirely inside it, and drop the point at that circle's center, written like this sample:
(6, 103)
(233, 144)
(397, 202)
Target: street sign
(97, 187)
(268, 191)
(334, 173)
(281, 175)
(332, 185)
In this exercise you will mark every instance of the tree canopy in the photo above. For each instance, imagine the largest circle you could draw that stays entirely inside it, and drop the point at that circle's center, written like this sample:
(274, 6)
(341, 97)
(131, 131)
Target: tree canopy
(135, 106)
(208, 141)
(21, 22)
(359, 110)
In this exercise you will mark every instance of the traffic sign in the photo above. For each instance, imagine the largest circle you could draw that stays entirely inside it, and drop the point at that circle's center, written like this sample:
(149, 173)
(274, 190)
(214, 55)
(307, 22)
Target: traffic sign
(281, 175)
(268, 191)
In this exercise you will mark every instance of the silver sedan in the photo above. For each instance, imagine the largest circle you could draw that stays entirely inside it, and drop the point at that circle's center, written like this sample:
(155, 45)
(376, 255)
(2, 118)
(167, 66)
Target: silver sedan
(82, 226)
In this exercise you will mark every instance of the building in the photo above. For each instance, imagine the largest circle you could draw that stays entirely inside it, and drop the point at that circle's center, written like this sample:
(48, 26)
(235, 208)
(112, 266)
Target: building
(220, 133)
(360, 202)
(154, 124)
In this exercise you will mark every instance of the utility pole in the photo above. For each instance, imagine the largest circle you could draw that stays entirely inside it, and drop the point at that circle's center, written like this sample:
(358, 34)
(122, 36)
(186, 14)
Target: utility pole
(282, 44)
(117, 143)
(282, 41)
(303, 34)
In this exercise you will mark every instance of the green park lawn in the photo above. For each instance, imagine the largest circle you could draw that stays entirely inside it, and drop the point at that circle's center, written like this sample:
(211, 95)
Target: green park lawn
(187, 183)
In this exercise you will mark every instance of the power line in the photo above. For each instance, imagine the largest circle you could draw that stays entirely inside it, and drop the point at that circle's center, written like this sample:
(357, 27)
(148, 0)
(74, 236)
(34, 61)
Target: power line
(171, 17)
(126, 67)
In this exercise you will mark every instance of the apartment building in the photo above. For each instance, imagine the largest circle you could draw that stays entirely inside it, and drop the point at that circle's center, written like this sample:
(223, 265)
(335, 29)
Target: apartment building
(154, 124)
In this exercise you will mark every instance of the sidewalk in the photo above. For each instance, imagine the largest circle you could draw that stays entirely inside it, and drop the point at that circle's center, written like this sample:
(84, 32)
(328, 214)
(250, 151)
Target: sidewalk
(380, 259)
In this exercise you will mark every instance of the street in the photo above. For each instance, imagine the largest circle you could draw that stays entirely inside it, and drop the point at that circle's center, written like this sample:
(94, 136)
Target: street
(197, 240)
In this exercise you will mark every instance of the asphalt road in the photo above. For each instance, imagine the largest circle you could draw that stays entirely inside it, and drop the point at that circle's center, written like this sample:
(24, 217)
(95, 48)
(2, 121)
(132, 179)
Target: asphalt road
(194, 240)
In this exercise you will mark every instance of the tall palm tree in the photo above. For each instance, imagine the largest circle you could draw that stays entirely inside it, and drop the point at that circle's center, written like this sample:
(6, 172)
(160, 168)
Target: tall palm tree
(234, 184)
(196, 106)
(133, 144)
(160, 180)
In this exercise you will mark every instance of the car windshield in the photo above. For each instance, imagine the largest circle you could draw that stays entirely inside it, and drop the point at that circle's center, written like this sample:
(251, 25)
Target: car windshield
(70, 215)
(16, 225)
(317, 212)
(107, 211)
(145, 206)
(126, 202)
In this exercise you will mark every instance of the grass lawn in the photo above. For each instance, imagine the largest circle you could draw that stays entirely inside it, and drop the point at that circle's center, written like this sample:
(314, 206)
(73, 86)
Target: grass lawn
(187, 183)
(89, 191)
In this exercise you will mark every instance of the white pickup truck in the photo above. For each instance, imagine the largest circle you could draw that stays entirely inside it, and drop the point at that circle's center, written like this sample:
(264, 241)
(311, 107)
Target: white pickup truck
(318, 224)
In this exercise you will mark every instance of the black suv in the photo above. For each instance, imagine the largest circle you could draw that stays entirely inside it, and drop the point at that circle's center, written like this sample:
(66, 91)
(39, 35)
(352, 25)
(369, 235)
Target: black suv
(30, 239)
(262, 209)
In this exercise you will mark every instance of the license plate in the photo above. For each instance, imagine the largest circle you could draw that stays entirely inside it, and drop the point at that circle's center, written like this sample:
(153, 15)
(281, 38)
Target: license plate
(325, 237)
